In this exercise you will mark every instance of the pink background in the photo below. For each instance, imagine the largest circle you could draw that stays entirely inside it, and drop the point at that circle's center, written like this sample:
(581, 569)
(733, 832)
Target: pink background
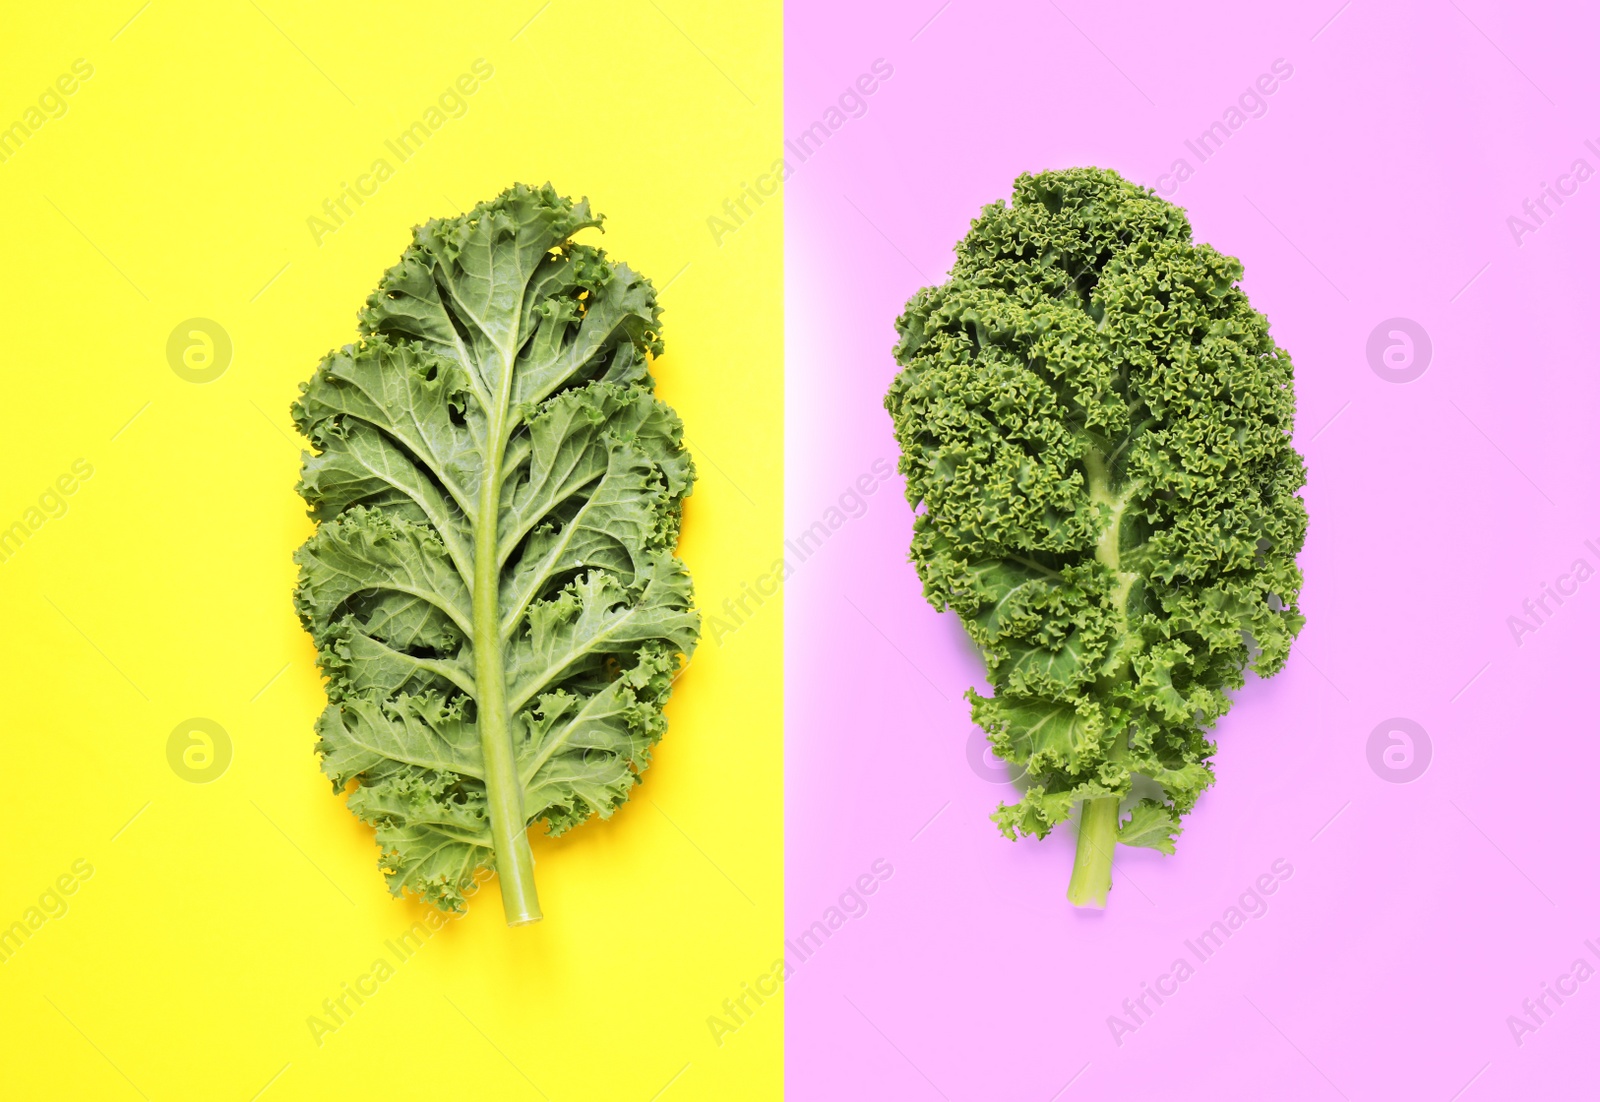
(1376, 185)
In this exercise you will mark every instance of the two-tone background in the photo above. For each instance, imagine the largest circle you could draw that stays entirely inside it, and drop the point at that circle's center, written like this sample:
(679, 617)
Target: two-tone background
(190, 177)
(1416, 784)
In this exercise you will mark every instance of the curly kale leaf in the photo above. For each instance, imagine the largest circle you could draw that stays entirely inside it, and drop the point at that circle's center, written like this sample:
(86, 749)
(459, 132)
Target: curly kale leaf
(492, 586)
(1095, 427)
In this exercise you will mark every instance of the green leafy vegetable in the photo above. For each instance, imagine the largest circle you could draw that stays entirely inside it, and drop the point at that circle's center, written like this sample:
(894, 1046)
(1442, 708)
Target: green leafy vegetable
(1095, 427)
(492, 587)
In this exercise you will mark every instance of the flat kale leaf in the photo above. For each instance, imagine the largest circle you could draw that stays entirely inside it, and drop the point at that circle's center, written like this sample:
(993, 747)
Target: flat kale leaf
(492, 586)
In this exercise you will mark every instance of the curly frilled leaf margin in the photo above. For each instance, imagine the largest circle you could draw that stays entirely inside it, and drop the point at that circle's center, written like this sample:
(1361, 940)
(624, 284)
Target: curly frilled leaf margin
(1096, 428)
(491, 586)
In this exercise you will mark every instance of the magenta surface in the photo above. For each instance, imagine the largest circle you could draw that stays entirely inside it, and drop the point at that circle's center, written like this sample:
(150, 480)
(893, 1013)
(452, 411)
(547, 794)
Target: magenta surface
(1394, 960)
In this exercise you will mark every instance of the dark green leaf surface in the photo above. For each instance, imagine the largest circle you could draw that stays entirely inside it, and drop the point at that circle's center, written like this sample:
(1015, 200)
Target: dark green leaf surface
(1095, 431)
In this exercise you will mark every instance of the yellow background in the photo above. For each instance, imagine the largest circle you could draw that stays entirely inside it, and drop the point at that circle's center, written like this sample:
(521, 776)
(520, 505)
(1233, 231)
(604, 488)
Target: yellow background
(179, 185)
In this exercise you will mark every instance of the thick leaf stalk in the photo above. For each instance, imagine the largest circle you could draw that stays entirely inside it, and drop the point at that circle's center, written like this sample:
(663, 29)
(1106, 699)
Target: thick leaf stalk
(1091, 868)
(513, 858)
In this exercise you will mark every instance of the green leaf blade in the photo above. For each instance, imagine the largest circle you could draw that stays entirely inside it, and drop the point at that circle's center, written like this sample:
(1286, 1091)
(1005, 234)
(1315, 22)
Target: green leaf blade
(1096, 433)
(496, 488)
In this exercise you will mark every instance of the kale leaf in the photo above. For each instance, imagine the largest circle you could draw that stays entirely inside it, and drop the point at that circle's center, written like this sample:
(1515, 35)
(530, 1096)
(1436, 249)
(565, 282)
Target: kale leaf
(492, 586)
(1095, 429)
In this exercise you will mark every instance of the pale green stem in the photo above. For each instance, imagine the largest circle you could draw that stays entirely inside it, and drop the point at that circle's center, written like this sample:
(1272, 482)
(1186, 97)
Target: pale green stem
(1098, 818)
(1097, 837)
(513, 857)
